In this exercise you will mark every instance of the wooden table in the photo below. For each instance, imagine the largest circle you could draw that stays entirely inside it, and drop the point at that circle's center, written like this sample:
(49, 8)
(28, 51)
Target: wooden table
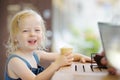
(79, 71)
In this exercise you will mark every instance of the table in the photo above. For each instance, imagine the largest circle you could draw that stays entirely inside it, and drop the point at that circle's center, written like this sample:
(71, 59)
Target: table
(80, 71)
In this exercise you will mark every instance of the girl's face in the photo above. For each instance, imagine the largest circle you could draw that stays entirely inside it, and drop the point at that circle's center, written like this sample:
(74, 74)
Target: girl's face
(30, 33)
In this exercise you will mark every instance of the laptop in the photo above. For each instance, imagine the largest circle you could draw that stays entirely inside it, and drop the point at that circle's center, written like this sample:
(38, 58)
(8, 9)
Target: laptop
(110, 37)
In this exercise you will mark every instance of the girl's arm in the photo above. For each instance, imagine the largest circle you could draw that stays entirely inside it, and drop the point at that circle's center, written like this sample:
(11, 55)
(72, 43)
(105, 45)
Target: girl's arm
(52, 56)
(20, 69)
(60, 61)
(47, 56)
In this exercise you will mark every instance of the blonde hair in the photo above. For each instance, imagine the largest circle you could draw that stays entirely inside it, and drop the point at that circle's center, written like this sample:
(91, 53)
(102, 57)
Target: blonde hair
(14, 28)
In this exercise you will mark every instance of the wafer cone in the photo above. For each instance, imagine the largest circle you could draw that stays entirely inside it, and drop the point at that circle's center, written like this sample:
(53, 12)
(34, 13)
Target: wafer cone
(66, 51)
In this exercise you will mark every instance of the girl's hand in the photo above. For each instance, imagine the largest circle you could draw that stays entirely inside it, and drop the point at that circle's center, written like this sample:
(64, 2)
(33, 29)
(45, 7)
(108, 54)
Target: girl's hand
(64, 60)
(85, 59)
(81, 58)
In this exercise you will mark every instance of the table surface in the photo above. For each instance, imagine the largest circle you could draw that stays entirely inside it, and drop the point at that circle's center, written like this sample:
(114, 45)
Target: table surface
(80, 71)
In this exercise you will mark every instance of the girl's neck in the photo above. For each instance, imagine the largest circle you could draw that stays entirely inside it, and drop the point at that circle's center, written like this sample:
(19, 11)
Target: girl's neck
(25, 52)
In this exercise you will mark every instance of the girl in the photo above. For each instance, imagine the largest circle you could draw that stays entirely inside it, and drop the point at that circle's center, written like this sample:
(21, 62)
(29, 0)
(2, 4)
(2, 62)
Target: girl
(25, 49)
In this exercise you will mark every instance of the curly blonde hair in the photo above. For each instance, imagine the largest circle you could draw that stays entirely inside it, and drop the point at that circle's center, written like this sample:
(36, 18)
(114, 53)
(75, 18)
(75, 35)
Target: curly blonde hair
(14, 28)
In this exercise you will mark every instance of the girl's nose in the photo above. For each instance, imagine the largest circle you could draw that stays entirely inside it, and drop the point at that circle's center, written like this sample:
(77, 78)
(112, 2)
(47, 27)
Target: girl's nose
(32, 33)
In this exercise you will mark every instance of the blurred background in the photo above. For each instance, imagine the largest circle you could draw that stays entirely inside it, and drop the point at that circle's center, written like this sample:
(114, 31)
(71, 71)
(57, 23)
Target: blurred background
(71, 23)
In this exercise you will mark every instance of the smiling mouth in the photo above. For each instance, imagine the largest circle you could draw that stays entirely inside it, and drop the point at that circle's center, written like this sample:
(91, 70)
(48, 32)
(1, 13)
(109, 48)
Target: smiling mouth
(32, 42)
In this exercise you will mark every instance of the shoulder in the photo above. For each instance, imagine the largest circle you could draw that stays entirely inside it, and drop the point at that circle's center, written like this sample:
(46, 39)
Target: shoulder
(16, 62)
(15, 65)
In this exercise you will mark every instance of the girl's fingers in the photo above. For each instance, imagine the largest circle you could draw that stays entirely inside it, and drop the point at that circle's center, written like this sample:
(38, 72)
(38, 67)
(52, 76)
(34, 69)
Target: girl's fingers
(85, 59)
(69, 59)
(82, 60)
(69, 56)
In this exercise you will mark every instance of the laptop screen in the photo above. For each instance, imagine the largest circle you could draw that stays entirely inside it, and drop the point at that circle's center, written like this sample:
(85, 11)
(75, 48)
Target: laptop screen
(110, 37)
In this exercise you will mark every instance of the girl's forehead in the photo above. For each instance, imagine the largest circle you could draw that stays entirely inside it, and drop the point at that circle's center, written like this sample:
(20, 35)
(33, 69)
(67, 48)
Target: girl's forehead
(30, 21)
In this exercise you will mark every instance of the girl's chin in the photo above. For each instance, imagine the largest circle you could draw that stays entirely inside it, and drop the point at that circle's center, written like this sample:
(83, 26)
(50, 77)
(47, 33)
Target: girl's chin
(32, 47)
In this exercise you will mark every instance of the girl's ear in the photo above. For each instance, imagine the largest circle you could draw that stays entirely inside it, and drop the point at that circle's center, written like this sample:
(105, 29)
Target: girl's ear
(15, 39)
